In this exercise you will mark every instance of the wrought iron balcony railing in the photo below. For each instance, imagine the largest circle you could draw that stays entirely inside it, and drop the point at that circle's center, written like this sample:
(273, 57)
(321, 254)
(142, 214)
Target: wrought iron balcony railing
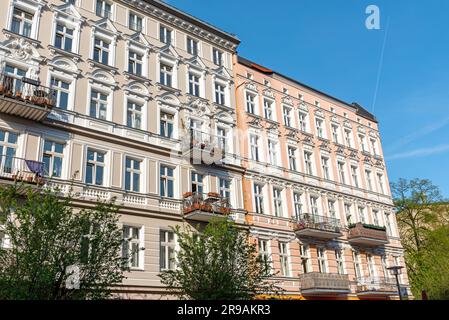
(19, 169)
(207, 203)
(377, 285)
(364, 234)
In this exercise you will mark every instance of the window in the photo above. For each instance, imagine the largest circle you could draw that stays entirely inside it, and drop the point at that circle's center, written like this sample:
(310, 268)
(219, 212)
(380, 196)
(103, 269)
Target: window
(135, 22)
(166, 182)
(325, 167)
(297, 204)
(192, 46)
(131, 246)
(272, 152)
(314, 205)
(64, 37)
(308, 162)
(332, 212)
(388, 224)
(22, 22)
(166, 75)
(254, 142)
(348, 138)
(101, 51)
(165, 35)
(355, 179)
(340, 261)
(249, 76)
(264, 252)
(319, 128)
(362, 217)
(385, 267)
(277, 201)
(285, 90)
(303, 121)
(197, 183)
(167, 250)
(348, 213)
(61, 91)
(267, 109)
(219, 94)
(292, 158)
(52, 158)
(287, 116)
(103, 9)
(98, 105)
(304, 252)
(357, 267)
(95, 167)
(225, 188)
(8, 146)
(283, 257)
(166, 129)
(16, 74)
(135, 62)
(368, 180)
(250, 103)
(380, 178)
(258, 198)
(362, 143)
(132, 174)
(341, 172)
(217, 57)
(371, 266)
(374, 146)
(134, 115)
(194, 84)
(376, 218)
(322, 268)
(335, 135)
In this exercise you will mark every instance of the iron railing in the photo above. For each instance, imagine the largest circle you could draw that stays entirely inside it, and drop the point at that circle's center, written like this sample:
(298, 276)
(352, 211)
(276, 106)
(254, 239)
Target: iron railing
(205, 140)
(19, 169)
(210, 202)
(312, 221)
(377, 284)
(27, 90)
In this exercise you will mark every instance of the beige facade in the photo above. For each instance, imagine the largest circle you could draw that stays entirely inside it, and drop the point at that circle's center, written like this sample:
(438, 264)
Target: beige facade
(124, 102)
(316, 188)
(146, 97)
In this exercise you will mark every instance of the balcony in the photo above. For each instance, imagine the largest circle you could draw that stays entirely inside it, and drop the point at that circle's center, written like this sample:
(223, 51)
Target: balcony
(324, 284)
(204, 207)
(204, 148)
(22, 170)
(367, 235)
(314, 226)
(25, 97)
(376, 287)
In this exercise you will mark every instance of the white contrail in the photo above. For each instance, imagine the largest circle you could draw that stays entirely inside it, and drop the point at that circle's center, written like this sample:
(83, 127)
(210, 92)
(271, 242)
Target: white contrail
(419, 152)
(381, 63)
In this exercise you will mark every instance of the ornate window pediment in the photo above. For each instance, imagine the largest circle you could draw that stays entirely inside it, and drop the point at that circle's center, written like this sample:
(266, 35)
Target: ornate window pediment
(139, 40)
(169, 51)
(268, 93)
(223, 72)
(65, 65)
(196, 62)
(347, 124)
(20, 49)
(302, 106)
(106, 26)
(66, 10)
(287, 100)
(319, 113)
(169, 99)
(103, 77)
(137, 89)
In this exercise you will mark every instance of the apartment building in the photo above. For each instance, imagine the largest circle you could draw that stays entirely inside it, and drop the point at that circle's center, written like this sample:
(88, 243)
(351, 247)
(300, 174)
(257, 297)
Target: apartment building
(116, 98)
(142, 102)
(316, 189)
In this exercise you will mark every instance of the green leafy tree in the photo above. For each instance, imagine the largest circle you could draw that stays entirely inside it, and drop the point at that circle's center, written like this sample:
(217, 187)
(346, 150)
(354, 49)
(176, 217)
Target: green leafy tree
(52, 250)
(422, 218)
(219, 263)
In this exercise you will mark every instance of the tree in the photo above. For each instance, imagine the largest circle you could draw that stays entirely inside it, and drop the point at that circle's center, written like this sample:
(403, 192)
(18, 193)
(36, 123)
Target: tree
(220, 263)
(421, 217)
(55, 251)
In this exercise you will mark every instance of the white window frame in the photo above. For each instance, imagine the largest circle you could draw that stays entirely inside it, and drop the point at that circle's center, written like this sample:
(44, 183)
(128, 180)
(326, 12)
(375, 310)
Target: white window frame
(166, 245)
(129, 241)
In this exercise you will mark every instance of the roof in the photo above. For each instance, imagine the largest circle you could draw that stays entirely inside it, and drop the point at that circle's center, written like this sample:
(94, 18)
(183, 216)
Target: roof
(183, 15)
(361, 111)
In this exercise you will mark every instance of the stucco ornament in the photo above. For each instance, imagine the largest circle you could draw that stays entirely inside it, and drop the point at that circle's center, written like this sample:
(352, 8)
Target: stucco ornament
(21, 49)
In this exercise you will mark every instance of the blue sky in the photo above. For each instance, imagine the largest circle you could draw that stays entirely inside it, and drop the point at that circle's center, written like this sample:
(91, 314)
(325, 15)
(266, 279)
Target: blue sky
(324, 43)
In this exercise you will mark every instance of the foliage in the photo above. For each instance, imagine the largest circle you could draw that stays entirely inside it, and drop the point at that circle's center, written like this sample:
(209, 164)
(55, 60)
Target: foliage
(220, 263)
(423, 219)
(368, 226)
(46, 235)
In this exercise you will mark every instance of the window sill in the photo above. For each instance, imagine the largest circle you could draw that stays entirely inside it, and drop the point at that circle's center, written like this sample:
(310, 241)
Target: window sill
(93, 63)
(161, 86)
(10, 34)
(130, 75)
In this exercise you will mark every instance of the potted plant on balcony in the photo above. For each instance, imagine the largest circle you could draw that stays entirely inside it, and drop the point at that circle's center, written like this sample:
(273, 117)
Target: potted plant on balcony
(213, 195)
(187, 194)
(2, 88)
(18, 94)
